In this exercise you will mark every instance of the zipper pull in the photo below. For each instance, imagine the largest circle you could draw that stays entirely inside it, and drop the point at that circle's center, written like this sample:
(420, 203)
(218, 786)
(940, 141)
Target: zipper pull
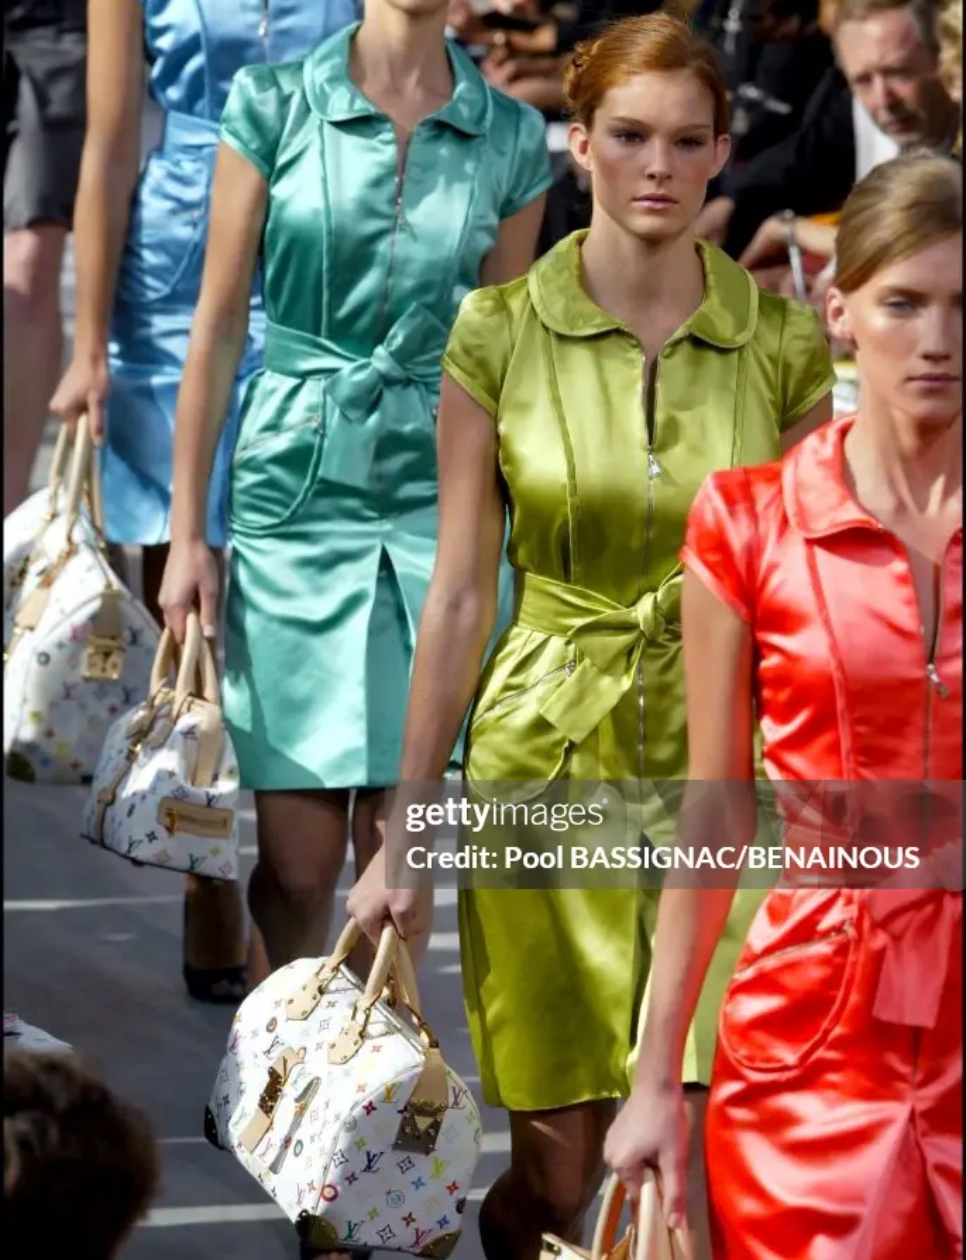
(932, 673)
(653, 467)
(263, 25)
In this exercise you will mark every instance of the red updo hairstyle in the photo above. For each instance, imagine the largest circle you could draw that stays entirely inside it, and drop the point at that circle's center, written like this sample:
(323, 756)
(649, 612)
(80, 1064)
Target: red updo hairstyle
(636, 45)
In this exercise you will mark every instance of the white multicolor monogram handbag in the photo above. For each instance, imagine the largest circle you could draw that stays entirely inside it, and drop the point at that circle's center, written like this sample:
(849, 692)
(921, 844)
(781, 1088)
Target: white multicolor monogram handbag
(339, 1103)
(80, 647)
(26, 525)
(165, 792)
(647, 1237)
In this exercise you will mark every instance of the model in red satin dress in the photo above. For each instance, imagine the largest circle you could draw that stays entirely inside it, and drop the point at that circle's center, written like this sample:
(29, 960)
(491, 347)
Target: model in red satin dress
(826, 591)
(834, 1124)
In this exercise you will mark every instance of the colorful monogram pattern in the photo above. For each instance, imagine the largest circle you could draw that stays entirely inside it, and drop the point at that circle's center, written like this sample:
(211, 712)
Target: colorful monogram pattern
(327, 1146)
(55, 719)
(143, 822)
(29, 548)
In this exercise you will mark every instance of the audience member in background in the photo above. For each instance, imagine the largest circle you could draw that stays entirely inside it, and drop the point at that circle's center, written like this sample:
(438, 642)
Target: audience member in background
(884, 96)
(773, 53)
(951, 59)
(44, 48)
(80, 1167)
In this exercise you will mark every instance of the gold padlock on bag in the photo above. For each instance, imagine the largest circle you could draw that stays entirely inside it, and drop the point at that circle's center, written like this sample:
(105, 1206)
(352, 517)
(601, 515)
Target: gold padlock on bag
(648, 1237)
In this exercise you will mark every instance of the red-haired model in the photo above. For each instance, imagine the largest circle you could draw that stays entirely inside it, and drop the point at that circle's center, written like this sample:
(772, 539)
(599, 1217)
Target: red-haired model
(828, 591)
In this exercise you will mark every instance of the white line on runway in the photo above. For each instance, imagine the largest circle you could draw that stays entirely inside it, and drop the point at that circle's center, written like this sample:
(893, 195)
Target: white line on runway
(88, 903)
(233, 1213)
(492, 1143)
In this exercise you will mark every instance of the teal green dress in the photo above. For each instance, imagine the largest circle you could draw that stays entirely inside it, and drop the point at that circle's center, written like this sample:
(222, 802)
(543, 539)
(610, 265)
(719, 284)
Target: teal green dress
(582, 700)
(333, 495)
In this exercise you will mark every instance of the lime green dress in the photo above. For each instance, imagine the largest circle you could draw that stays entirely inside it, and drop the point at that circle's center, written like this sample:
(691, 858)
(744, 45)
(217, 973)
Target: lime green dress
(587, 683)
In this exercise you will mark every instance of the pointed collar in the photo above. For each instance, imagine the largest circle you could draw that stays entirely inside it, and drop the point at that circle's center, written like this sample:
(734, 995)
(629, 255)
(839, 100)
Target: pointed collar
(725, 319)
(816, 495)
(334, 97)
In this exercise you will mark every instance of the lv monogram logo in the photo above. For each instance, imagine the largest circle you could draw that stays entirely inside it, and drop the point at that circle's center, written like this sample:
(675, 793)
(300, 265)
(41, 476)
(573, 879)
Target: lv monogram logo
(352, 1229)
(419, 1236)
(372, 1161)
(438, 1166)
(390, 1092)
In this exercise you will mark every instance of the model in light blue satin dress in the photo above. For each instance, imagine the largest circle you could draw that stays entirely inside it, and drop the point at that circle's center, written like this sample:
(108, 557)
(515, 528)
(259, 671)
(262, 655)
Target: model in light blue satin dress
(193, 48)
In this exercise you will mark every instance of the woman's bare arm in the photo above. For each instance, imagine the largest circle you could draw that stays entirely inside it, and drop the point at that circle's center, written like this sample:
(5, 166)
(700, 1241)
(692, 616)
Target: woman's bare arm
(239, 199)
(109, 164)
(516, 244)
(718, 808)
(461, 604)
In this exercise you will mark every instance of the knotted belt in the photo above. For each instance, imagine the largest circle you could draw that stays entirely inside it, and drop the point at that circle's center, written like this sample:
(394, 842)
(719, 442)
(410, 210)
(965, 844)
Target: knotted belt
(918, 930)
(609, 637)
(356, 384)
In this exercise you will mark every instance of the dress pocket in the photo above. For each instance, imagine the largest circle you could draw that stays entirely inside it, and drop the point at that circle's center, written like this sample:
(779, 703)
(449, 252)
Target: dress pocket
(509, 742)
(277, 454)
(167, 229)
(783, 1005)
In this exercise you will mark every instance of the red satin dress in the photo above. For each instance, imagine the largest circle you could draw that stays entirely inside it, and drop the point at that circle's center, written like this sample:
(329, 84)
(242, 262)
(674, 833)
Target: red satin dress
(834, 1125)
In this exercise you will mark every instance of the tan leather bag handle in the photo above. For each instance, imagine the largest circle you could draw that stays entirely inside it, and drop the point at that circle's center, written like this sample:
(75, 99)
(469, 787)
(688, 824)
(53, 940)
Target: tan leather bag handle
(197, 673)
(651, 1239)
(84, 483)
(392, 958)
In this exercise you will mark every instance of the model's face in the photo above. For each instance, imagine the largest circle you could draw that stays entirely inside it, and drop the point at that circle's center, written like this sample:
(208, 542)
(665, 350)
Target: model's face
(906, 324)
(892, 74)
(651, 152)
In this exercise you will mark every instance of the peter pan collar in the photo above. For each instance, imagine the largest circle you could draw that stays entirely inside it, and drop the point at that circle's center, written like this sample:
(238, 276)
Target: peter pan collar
(333, 95)
(726, 318)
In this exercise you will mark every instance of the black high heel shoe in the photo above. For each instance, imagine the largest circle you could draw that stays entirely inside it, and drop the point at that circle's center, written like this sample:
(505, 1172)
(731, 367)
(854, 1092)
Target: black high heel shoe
(221, 986)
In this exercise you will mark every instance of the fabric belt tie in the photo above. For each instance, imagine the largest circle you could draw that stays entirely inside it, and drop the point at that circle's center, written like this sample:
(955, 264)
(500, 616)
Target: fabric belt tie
(917, 930)
(609, 637)
(356, 384)
(185, 131)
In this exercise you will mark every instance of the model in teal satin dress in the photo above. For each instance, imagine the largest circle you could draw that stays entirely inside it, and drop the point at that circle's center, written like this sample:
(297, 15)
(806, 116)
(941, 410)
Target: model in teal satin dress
(333, 500)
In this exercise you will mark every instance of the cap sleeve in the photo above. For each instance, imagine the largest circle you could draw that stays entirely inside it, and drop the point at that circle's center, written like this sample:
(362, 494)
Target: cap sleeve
(806, 363)
(251, 122)
(721, 540)
(478, 351)
(531, 174)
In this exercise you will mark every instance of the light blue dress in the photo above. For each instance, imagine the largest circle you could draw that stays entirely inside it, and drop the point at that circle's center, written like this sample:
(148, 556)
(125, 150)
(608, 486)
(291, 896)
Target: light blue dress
(193, 49)
(334, 479)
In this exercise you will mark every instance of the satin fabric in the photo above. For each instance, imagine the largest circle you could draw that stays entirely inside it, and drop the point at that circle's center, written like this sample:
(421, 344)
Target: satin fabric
(193, 49)
(834, 1126)
(333, 504)
(586, 684)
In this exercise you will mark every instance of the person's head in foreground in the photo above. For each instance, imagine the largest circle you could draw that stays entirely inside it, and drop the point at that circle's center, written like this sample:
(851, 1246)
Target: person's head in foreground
(898, 290)
(80, 1167)
(650, 123)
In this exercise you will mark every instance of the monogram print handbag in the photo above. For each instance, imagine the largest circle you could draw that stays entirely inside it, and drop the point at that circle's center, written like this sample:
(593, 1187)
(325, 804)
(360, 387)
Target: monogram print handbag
(78, 646)
(166, 788)
(336, 1098)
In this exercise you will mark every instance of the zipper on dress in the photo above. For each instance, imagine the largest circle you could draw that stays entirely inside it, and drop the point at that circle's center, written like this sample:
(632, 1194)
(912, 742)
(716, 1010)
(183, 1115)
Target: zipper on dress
(263, 24)
(398, 218)
(649, 392)
(524, 691)
(934, 683)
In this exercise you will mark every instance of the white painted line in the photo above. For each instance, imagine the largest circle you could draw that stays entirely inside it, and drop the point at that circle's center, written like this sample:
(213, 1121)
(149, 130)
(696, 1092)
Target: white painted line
(229, 1213)
(88, 903)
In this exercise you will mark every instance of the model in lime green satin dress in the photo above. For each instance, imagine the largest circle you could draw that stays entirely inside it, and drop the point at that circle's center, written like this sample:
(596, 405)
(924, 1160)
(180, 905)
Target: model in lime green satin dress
(587, 683)
(333, 503)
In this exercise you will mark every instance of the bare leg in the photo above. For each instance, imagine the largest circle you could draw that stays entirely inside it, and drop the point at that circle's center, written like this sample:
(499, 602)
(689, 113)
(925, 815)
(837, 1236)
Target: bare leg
(302, 842)
(556, 1169)
(32, 347)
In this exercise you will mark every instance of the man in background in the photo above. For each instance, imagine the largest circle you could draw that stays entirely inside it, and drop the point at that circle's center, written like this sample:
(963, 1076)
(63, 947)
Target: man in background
(43, 133)
(884, 96)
